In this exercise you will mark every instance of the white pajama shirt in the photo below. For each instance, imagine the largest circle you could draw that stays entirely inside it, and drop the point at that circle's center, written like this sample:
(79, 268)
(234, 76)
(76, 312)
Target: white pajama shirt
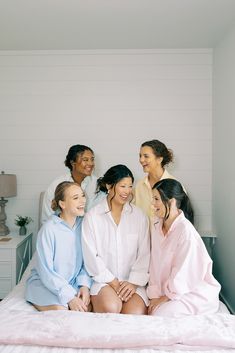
(116, 251)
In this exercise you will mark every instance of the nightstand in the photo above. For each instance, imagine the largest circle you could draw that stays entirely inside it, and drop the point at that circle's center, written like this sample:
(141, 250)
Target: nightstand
(15, 255)
(209, 239)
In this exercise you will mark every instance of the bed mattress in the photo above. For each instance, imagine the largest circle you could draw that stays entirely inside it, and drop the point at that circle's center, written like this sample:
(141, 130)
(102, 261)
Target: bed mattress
(24, 330)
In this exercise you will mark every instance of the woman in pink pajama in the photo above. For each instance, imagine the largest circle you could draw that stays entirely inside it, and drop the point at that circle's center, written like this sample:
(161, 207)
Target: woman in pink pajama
(181, 280)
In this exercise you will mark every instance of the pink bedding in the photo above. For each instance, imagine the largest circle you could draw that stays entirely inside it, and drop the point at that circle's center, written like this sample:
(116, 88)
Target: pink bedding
(89, 330)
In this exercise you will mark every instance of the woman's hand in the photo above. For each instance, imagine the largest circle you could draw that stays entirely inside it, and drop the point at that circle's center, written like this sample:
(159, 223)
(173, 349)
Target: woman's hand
(156, 302)
(126, 290)
(76, 304)
(84, 294)
(115, 284)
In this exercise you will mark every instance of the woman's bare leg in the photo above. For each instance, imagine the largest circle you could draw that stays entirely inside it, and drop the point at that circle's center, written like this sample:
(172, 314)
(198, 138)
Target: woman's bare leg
(135, 305)
(106, 301)
(49, 307)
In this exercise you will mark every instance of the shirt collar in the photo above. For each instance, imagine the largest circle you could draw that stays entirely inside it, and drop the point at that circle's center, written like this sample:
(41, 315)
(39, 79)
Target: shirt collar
(165, 175)
(146, 181)
(87, 180)
(56, 219)
(178, 219)
(104, 207)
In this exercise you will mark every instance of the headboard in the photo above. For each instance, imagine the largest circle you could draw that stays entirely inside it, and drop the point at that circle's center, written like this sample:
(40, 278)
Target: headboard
(40, 208)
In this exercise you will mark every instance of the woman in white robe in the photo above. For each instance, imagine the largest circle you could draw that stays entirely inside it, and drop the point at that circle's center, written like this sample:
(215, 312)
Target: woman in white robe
(116, 247)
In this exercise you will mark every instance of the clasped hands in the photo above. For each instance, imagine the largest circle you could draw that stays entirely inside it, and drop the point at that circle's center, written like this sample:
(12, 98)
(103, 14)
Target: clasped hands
(124, 289)
(81, 301)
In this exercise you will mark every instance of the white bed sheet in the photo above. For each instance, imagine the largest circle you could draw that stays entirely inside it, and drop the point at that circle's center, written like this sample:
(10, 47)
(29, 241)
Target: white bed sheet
(15, 302)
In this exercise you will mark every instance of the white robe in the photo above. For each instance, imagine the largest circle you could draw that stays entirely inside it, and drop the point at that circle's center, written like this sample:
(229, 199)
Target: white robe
(116, 251)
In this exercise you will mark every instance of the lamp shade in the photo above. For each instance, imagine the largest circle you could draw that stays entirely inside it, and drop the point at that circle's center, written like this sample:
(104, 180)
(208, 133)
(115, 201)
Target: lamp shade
(8, 186)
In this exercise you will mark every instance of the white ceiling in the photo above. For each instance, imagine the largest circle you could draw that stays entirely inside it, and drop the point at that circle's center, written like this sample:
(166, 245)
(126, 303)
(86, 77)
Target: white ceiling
(113, 24)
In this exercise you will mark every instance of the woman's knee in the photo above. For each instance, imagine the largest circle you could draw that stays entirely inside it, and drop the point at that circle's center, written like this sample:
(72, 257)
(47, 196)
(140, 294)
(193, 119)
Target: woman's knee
(171, 309)
(135, 306)
(106, 301)
(106, 306)
(112, 307)
(134, 310)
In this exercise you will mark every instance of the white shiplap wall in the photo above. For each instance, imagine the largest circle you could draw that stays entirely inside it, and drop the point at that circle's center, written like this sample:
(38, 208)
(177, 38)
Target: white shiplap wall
(111, 101)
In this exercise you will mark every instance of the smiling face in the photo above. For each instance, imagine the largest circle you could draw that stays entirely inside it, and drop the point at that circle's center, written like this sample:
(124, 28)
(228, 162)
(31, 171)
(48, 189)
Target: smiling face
(158, 206)
(84, 164)
(121, 192)
(149, 161)
(74, 201)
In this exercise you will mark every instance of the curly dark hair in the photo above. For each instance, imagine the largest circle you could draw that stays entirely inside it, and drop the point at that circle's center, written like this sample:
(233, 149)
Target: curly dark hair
(73, 153)
(160, 150)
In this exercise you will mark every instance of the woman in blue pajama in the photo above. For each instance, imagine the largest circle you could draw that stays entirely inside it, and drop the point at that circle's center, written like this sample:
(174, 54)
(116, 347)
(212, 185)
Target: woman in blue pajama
(59, 279)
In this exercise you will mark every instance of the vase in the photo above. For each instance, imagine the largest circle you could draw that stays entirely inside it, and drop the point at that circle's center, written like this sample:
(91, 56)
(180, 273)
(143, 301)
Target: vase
(22, 230)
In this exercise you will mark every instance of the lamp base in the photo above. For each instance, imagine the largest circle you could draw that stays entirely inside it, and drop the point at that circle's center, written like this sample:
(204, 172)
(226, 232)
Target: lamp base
(4, 230)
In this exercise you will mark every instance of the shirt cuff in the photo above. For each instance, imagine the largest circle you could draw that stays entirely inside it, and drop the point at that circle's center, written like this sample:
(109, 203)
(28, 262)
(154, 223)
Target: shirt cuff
(172, 295)
(66, 294)
(140, 279)
(152, 292)
(85, 281)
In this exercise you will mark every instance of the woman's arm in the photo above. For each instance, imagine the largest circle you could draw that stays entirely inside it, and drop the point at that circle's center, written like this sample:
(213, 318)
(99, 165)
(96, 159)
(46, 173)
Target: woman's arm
(139, 271)
(45, 267)
(188, 267)
(83, 278)
(156, 302)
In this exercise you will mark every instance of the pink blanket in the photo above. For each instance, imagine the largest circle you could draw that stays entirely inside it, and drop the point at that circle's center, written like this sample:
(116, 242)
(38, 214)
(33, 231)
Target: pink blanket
(88, 330)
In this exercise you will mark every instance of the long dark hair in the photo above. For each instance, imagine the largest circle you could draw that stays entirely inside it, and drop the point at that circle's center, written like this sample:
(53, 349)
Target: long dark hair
(112, 177)
(171, 188)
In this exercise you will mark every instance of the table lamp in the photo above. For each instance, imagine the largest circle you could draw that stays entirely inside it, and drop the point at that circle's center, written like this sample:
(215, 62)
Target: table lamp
(7, 189)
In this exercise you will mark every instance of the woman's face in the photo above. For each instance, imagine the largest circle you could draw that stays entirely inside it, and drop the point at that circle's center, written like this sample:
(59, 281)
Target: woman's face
(74, 201)
(122, 191)
(158, 205)
(148, 160)
(84, 164)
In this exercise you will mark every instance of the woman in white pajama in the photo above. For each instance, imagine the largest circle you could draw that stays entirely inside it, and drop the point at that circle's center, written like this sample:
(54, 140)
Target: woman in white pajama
(116, 247)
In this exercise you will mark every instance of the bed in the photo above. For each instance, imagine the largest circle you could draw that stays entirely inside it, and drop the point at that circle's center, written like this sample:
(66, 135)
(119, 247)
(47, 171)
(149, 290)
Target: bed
(24, 330)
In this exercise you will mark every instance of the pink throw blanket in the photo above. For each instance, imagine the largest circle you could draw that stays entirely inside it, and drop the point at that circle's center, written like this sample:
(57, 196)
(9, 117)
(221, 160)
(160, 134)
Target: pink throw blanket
(89, 330)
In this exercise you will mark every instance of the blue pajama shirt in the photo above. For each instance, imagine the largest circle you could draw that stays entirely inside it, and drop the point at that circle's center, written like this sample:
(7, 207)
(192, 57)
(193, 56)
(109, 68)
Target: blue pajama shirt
(59, 271)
